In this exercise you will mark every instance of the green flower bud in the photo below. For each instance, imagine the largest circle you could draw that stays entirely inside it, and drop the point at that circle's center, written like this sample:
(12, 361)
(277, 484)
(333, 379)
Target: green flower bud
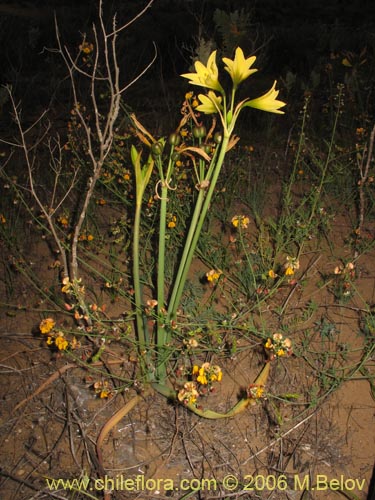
(156, 149)
(218, 137)
(174, 139)
(199, 132)
(175, 156)
(207, 148)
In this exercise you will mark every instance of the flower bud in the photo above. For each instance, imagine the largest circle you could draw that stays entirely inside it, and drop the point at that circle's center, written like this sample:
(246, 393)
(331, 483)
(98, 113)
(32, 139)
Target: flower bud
(174, 139)
(199, 132)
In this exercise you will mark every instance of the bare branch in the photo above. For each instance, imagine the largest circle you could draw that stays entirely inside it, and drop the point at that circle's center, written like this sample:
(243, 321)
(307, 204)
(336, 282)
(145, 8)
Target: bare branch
(140, 14)
(143, 71)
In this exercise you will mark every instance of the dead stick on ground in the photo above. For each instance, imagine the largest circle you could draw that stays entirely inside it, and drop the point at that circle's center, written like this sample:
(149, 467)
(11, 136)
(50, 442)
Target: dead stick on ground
(57, 374)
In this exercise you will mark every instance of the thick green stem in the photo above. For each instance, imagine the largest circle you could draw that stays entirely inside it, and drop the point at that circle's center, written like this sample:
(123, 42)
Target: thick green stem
(201, 208)
(161, 333)
(137, 282)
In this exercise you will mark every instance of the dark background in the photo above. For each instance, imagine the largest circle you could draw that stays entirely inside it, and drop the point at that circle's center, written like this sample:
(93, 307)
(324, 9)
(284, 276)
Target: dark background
(288, 36)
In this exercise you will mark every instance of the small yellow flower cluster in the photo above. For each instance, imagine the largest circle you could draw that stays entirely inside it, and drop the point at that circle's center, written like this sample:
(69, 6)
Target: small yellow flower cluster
(56, 339)
(202, 379)
(255, 391)
(189, 96)
(86, 237)
(240, 221)
(278, 346)
(172, 222)
(291, 266)
(189, 393)
(68, 287)
(46, 325)
(103, 389)
(213, 275)
(207, 373)
(63, 221)
(60, 341)
(86, 47)
(2, 219)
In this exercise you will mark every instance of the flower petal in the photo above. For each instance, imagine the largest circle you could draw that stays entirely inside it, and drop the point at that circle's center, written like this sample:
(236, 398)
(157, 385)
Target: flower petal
(206, 76)
(239, 67)
(211, 103)
(268, 102)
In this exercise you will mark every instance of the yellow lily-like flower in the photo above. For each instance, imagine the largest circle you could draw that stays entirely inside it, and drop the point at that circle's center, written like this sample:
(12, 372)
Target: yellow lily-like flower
(206, 76)
(239, 67)
(211, 103)
(268, 101)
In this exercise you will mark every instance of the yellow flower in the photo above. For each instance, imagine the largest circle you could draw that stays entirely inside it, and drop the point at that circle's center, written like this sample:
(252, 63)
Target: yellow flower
(206, 76)
(272, 274)
(86, 47)
(66, 288)
(2, 219)
(188, 394)
(239, 67)
(213, 275)
(268, 344)
(202, 379)
(240, 221)
(63, 221)
(268, 101)
(211, 103)
(172, 222)
(61, 342)
(195, 369)
(46, 325)
(217, 373)
(255, 391)
(90, 237)
(291, 265)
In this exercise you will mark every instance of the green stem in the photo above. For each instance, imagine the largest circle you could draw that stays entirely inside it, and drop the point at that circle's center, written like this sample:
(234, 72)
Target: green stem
(161, 333)
(201, 208)
(137, 282)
